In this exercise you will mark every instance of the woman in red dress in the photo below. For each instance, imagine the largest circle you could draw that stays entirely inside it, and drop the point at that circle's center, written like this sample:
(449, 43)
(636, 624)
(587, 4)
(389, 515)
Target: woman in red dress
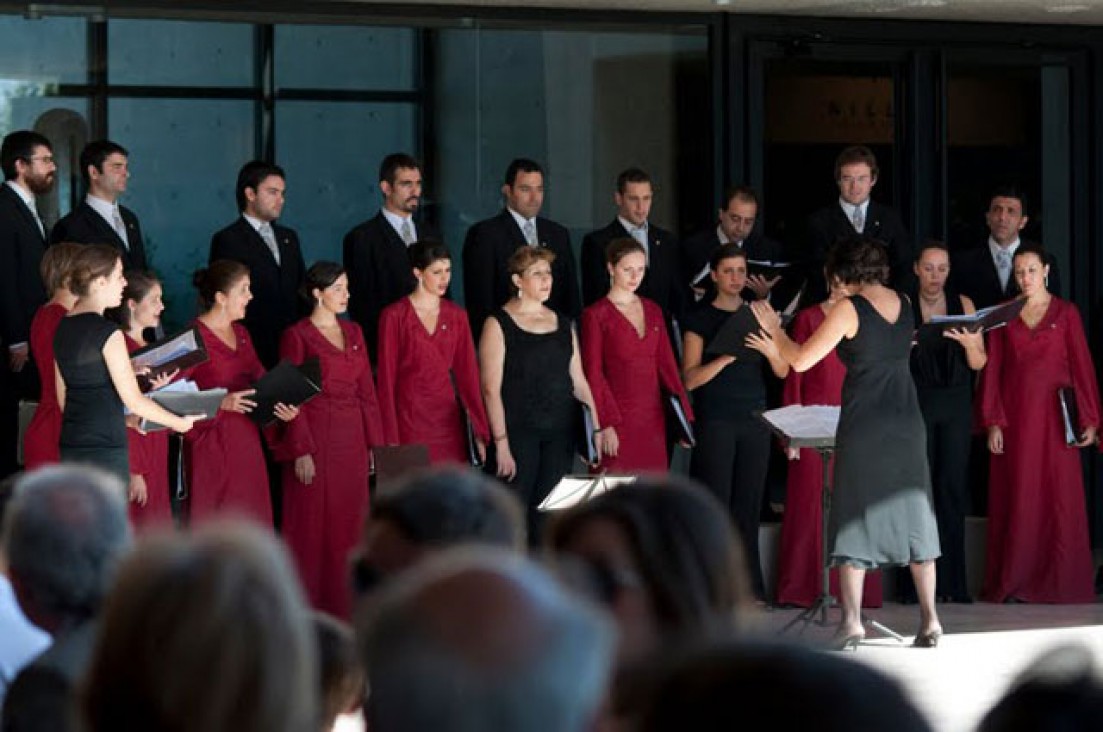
(1038, 546)
(40, 442)
(224, 459)
(630, 366)
(427, 365)
(327, 449)
(150, 505)
(800, 560)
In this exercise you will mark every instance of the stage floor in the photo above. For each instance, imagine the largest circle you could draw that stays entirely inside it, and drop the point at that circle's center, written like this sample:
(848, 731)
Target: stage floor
(984, 649)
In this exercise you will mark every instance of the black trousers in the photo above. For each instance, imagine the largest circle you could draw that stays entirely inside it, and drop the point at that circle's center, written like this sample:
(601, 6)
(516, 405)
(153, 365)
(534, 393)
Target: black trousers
(14, 386)
(542, 461)
(731, 458)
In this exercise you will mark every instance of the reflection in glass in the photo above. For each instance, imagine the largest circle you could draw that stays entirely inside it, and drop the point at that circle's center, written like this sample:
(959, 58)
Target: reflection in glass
(180, 53)
(335, 57)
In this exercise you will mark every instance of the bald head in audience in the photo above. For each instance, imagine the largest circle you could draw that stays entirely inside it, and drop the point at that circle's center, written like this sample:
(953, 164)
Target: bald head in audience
(483, 640)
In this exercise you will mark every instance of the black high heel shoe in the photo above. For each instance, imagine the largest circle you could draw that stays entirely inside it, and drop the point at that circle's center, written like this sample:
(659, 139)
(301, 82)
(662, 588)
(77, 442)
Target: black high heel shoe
(927, 640)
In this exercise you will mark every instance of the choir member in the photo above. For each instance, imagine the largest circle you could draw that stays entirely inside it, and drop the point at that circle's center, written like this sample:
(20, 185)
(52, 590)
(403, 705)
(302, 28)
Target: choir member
(532, 380)
(150, 504)
(1038, 547)
(630, 365)
(943, 372)
(733, 445)
(428, 374)
(327, 450)
(40, 443)
(800, 554)
(224, 459)
(93, 372)
(881, 507)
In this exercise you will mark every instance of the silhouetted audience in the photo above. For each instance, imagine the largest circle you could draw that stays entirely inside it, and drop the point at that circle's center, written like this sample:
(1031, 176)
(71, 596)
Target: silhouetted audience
(207, 631)
(1060, 692)
(341, 680)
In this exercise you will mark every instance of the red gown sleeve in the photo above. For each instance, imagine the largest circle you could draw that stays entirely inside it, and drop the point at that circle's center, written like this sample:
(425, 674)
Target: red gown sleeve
(669, 375)
(43, 328)
(465, 366)
(296, 439)
(1082, 370)
(369, 402)
(140, 462)
(990, 411)
(390, 340)
(793, 390)
(593, 364)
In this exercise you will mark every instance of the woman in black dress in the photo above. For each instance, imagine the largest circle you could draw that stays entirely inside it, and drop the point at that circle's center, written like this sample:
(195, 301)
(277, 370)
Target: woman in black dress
(94, 376)
(733, 445)
(881, 513)
(532, 376)
(943, 371)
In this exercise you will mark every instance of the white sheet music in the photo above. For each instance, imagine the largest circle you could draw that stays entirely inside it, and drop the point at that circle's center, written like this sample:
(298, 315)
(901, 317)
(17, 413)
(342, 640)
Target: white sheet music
(184, 343)
(575, 489)
(805, 422)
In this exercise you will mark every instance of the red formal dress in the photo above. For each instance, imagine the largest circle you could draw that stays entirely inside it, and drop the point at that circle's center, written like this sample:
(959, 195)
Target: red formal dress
(40, 442)
(629, 376)
(416, 398)
(800, 561)
(149, 458)
(225, 462)
(1038, 546)
(322, 521)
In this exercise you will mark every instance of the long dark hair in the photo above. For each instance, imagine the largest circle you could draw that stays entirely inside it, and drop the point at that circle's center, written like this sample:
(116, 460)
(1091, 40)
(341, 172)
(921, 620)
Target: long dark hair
(139, 283)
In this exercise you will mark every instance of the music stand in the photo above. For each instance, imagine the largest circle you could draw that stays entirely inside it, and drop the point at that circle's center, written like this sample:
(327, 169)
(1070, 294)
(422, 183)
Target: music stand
(814, 427)
(572, 490)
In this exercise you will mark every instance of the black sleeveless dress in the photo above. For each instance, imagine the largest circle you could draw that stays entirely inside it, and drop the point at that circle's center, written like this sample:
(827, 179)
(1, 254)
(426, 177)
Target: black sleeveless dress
(93, 425)
(881, 511)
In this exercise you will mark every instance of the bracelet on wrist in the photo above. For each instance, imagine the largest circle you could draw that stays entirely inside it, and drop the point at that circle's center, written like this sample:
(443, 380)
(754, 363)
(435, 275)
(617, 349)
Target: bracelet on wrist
(500, 438)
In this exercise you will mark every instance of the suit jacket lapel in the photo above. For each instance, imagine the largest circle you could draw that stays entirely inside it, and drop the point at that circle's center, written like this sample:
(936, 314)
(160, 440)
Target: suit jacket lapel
(103, 225)
(515, 230)
(388, 232)
(24, 211)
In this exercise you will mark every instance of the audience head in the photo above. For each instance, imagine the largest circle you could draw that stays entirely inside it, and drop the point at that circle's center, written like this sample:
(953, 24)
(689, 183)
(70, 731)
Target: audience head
(712, 688)
(103, 166)
(326, 286)
(223, 285)
(206, 631)
(1006, 215)
(28, 158)
(341, 681)
(737, 217)
(524, 187)
(97, 275)
(1030, 268)
(662, 556)
(400, 183)
(626, 261)
(1061, 692)
(932, 267)
(429, 511)
(858, 260)
(483, 640)
(634, 196)
(432, 265)
(530, 269)
(64, 534)
(260, 190)
(57, 266)
(142, 301)
(856, 174)
(728, 269)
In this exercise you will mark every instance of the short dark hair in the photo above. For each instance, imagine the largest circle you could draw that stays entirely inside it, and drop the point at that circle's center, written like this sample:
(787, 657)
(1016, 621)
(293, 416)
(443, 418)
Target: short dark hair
(320, 276)
(726, 251)
(743, 193)
(219, 276)
(57, 265)
(1031, 247)
(858, 260)
(20, 145)
(388, 169)
(620, 248)
(931, 244)
(139, 283)
(94, 153)
(631, 175)
(856, 154)
(90, 263)
(423, 253)
(521, 165)
(251, 175)
(1009, 191)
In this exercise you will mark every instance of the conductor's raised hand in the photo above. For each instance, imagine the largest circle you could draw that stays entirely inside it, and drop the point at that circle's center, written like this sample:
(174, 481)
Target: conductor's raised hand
(239, 401)
(767, 317)
(285, 412)
(995, 440)
(762, 343)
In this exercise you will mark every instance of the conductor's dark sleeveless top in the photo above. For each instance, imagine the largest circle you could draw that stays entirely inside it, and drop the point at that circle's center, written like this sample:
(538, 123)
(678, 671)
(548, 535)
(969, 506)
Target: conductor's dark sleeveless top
(536, 381)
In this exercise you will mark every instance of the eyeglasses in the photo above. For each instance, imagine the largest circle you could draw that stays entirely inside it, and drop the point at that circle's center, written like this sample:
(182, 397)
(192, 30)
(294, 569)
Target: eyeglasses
(40, 158)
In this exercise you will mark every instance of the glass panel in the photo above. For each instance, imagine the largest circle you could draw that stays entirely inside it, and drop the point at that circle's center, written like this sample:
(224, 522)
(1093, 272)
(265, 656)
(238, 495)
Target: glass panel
(586, 106)
(333, 57)
(184, 191)
(331, 152)
(37, 54)
(180, 53)
(64, 122)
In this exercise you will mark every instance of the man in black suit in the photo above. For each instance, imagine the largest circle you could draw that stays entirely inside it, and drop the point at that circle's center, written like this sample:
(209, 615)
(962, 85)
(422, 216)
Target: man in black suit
(375, 251)
(65, 534)
(855, 213)
(490, 243)
(736, 224)
(100, 219)
(27, 160)
(985, 274)
(270, 251)
(662, 282)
